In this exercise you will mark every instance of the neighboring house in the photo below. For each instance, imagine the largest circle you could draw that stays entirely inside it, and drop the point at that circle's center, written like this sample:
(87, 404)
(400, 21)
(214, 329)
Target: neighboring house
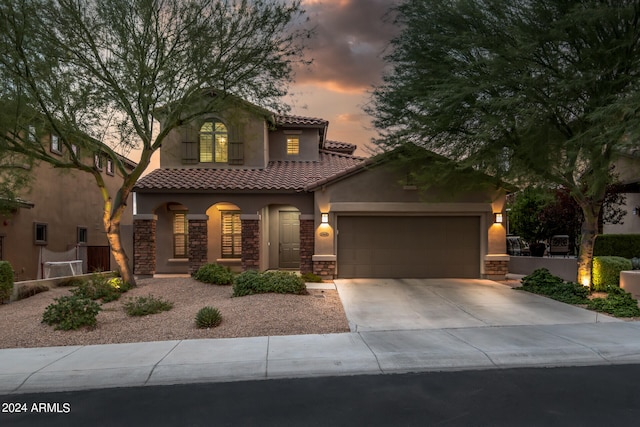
(60, 218)
(254, 190)
(628, 170)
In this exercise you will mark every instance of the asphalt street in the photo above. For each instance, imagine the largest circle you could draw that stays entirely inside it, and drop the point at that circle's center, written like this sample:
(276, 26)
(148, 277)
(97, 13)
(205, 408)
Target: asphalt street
(584, 396)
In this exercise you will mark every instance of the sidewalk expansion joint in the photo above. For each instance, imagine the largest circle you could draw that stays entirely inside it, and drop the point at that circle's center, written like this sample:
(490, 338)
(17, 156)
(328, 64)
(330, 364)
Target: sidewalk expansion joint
(472, 346)
(372, 352)
(153, 368)
(266, 362)
(46, 366)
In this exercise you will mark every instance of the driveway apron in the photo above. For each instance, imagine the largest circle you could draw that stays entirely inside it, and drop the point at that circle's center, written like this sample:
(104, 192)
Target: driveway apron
(407, 304)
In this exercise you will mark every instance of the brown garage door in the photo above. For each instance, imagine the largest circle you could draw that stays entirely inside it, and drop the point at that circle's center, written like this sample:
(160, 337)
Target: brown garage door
(396, 247)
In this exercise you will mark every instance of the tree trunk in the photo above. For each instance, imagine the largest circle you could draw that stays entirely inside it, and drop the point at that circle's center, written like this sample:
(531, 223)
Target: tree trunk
(118, 252)
(588, 237)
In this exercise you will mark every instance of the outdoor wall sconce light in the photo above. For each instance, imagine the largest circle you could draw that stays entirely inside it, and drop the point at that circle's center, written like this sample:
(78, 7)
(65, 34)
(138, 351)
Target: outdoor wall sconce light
(497, 218)
(636, 210)
(324, 218)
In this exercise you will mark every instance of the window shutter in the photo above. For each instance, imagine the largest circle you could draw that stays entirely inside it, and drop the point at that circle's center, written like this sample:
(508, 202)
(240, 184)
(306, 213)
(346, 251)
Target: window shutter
(236, 153)
(189, 152)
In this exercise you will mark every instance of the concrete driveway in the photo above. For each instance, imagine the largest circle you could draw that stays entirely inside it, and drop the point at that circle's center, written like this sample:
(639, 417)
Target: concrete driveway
(406, 304)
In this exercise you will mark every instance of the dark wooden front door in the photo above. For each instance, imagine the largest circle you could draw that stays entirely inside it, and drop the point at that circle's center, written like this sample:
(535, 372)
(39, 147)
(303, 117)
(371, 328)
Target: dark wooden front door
(289, 239)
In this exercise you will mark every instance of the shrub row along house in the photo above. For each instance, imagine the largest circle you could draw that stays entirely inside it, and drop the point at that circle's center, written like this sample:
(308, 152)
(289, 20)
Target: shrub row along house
(251, 189)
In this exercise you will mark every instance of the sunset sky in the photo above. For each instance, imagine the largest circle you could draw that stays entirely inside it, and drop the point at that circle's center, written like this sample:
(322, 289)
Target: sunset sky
(350, 40)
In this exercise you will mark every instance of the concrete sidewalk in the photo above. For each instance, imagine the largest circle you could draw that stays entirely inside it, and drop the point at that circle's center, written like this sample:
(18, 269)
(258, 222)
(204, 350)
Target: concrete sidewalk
(370, 352)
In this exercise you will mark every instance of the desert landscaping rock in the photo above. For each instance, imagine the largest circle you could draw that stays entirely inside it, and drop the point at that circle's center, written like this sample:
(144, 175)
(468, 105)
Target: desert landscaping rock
(320, 312)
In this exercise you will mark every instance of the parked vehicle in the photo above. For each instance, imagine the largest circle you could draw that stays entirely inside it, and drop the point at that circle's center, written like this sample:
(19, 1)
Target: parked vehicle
(516, 246)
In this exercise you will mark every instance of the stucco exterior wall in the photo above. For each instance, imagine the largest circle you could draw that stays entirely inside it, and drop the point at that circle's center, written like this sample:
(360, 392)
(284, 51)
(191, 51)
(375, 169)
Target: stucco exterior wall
(64, 200)
(264, 206)
(309, 140)
(243, 126)
(379, 191)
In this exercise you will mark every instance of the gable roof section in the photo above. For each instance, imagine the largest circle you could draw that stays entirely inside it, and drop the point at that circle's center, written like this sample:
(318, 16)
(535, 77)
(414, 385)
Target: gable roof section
(280, 175)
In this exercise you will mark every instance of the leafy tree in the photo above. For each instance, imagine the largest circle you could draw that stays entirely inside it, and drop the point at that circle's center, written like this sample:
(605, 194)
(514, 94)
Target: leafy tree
(98, 73)
(529, 92)
(526, 214)
(538, 213)
(14, 181)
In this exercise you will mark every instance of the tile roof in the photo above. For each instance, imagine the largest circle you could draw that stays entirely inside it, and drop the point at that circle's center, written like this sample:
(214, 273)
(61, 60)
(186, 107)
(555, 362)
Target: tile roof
(340, 147)
(300, 121)
(280, 175)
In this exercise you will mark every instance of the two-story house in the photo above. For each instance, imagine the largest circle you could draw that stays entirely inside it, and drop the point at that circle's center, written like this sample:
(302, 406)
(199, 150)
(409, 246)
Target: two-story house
(59, 217)
(254, 190)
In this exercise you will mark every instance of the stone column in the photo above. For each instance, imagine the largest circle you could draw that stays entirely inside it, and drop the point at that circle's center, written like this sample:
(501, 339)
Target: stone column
(250, 242)
(197, 241)
(325, 266)
(496, 266)
(144, 244)
(307, 243)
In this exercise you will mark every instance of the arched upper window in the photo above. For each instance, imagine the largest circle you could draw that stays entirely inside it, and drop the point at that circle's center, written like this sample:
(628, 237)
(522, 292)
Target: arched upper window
(214, 145)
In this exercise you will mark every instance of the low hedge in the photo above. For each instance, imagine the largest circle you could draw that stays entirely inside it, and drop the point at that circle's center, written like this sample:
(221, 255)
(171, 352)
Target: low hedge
(606, 271)
(281, 282)
(622, 245)
(542, 282)
(6, 280)
(215, 274)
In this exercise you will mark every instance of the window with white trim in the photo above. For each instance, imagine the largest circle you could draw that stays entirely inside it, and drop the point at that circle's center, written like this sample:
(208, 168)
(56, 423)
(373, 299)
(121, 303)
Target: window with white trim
(56, 146)
(97, 161)
(109, 166)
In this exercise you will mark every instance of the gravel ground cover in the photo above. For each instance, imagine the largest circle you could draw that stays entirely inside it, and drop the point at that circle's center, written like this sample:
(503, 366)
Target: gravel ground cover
(320, 312)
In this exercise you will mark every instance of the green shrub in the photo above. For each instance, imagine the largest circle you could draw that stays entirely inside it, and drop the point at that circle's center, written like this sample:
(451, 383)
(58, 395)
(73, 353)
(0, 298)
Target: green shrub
(29, 291)
(142, 306)
(617, 303)
(71, 312)
(6, 280)
(72, 281)
(247, 283)
(311, 278)
(101, 287)
(623, 245)
(208, 317)
(606, 271)
(542, 282)
(215, 274)
(282, 282)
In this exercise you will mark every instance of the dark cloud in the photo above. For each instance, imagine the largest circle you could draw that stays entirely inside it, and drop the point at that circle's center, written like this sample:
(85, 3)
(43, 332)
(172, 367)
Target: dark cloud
(349, 43)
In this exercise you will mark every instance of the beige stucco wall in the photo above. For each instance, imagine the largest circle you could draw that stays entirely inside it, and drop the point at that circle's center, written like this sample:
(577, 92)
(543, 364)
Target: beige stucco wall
(266, 206)
(631, 222)
(309, 140)
(628, 171)
(243, 126)
(379, 191)
(64, 200)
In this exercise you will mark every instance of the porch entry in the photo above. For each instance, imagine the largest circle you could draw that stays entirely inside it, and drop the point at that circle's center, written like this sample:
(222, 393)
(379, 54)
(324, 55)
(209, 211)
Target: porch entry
(289, 239)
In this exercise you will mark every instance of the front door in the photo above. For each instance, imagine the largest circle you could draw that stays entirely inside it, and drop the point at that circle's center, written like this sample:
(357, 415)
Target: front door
(289, 239)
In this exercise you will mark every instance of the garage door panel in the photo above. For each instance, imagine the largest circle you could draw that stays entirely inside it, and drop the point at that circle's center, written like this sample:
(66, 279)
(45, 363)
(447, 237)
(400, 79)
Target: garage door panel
(408, 246)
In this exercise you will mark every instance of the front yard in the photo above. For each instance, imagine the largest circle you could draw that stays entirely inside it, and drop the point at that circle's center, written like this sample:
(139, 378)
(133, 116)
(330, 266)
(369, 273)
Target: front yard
(319, 312)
